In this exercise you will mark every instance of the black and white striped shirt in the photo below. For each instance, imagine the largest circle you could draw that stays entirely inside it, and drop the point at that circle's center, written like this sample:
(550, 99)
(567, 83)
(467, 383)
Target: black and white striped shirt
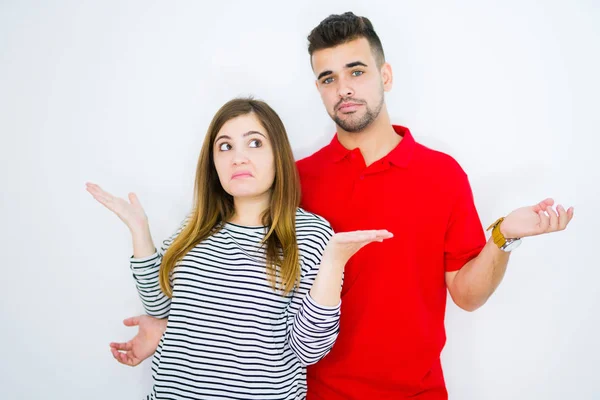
(229, 334)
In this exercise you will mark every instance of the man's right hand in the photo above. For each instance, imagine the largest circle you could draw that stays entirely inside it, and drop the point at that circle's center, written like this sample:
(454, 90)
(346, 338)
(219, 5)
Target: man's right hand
(144, 344)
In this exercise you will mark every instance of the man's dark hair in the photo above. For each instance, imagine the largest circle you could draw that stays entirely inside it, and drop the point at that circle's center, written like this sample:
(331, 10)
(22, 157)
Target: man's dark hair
(339, 29)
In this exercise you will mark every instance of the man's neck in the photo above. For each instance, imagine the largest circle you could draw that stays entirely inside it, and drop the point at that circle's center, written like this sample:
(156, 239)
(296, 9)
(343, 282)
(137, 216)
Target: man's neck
(374, 142)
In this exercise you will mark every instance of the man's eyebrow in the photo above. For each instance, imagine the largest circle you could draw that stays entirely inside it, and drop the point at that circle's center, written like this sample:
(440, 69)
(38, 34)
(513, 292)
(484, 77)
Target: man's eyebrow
(324, 73)
(356, 63)
(349, 65)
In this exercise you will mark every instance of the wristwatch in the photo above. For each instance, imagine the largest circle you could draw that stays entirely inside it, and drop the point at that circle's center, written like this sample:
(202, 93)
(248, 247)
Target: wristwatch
(503, 243)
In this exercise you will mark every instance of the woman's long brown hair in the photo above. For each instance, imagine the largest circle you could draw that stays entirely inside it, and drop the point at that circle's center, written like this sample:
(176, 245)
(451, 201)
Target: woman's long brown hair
(213, 205)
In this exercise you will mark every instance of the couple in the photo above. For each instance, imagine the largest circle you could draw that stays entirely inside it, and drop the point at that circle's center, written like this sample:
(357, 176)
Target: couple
(252, 284)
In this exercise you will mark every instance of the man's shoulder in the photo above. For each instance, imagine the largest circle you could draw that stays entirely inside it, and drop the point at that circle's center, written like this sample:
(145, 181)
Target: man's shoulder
(314, 165)
(436, 160)
(315, 159)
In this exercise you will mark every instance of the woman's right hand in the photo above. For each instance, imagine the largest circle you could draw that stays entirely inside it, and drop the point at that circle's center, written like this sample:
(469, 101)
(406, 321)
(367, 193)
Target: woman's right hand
(130, 212)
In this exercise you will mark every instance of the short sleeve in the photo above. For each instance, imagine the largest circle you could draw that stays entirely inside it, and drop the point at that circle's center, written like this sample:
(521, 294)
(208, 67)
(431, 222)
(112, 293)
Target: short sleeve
(464, 237)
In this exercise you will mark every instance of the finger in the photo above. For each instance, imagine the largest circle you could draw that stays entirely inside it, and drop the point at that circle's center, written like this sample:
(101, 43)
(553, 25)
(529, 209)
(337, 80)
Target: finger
(544, 221)
(570, 213)
(366, 237)
(553, 225)
(128, 359)
(360, 232)
(543, 205)
(120, 357)
(380, 236)
(114, 353)
(384, 234)
(380, 232)
(549, 201)
(563, 218)
(100, 195)
(370, 234)
(355, 237)
(132, 321)
(134, 200)
(93, 188)
(371, 240)
(102, 200)
(122, 346)
(125, 358)
(98, 191)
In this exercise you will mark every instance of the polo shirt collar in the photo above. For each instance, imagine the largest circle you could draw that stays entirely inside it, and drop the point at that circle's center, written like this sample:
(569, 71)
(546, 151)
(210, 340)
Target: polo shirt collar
(399, 156)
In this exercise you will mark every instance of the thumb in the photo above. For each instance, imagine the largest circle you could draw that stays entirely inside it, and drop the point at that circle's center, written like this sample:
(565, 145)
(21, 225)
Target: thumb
(542, 205)
(132, 321)
(133, 199)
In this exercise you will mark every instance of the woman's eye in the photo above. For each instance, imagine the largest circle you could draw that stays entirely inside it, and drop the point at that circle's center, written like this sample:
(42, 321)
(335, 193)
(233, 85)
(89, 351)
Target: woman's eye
(255, 143)
(224, 147)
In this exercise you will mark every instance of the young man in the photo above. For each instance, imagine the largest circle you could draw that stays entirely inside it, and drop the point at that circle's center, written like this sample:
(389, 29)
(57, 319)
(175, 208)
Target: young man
(372, 175)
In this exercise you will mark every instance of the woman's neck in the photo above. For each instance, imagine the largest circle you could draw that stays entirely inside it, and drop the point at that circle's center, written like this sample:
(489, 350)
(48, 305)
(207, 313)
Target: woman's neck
(249, 210)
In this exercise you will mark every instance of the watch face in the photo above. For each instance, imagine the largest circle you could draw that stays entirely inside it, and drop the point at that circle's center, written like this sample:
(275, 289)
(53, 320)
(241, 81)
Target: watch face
(512, 245)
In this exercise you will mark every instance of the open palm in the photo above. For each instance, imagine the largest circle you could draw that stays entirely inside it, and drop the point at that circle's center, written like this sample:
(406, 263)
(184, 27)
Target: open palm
(144, 344)
(344, 245)
(536, 220)
(130, 212)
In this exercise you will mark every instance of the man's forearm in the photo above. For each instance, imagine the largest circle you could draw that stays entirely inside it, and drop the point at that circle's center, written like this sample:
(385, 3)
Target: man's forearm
(478, 279)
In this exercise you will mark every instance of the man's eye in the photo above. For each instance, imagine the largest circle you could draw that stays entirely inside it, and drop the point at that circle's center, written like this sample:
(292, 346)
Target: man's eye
(357, 73)
(255, 143)
(224, 147)
(327, 81)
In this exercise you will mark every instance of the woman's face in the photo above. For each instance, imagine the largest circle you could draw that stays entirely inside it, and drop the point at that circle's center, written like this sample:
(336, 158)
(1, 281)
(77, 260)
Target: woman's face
(243, 157)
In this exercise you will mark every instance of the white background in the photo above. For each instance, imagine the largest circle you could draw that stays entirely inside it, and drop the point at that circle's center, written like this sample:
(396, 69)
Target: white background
(121, 93)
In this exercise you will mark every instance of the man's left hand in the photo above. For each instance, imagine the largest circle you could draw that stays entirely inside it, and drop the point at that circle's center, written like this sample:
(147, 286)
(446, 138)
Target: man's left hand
(536, 220)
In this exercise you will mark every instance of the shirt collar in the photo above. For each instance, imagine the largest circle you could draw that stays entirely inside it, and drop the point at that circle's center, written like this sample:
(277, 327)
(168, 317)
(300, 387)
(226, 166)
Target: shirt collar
(399, 156)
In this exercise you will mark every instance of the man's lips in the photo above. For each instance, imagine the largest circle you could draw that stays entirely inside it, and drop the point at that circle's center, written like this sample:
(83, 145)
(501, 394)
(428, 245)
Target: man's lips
(348, 107)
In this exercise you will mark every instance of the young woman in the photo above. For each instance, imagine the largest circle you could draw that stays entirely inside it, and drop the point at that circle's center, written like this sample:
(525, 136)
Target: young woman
(250, 282)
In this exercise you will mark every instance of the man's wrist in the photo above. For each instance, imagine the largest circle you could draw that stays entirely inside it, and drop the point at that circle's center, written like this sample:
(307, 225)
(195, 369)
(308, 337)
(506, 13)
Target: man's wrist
(501, 227)
(501, 238)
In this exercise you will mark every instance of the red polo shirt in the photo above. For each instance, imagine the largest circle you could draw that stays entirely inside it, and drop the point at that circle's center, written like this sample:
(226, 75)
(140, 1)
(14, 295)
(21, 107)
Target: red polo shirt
(394, 292)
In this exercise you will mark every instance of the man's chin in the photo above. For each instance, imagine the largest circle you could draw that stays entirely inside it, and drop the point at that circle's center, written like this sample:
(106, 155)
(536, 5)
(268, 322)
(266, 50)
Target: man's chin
(350, 124)
(348, 119)
(349, 114)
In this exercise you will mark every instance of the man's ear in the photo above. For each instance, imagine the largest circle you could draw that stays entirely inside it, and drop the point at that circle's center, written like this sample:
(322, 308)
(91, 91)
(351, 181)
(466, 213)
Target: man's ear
(387, 77)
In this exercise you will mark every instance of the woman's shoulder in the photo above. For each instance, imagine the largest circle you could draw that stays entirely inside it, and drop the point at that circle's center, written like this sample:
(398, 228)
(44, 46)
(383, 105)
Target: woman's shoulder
(311, 224)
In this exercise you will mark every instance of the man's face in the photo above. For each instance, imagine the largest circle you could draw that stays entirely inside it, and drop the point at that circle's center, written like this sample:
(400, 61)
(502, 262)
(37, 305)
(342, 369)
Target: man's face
(350, 83)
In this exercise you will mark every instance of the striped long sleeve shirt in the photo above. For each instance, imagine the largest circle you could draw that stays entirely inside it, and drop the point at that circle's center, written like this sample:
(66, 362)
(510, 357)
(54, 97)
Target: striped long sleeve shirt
(229, 334)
